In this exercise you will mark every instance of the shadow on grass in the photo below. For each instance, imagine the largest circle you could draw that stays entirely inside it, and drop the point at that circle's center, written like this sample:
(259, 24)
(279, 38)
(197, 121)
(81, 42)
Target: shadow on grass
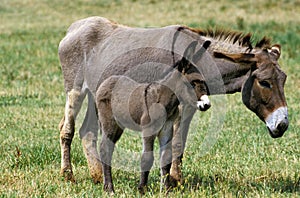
(282, 185)
(243, 187)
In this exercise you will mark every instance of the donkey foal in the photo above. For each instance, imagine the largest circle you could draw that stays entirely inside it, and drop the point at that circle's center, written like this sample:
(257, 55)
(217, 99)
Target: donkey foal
(123, 103)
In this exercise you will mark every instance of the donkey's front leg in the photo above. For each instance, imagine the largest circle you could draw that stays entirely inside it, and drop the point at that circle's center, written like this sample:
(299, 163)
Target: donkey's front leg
(67, 128)
(146, 161)
(181, 128)
(89, 135)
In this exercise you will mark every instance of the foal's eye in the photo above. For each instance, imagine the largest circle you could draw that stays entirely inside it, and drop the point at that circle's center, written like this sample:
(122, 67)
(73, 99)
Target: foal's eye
(265, 84)
(195, 82)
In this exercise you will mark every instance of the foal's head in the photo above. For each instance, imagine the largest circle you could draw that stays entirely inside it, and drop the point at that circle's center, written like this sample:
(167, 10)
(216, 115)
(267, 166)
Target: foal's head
(192, 75)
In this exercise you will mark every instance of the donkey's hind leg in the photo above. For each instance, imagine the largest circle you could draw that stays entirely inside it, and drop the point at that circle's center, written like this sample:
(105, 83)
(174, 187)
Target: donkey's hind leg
(89, 135)
(67, 128)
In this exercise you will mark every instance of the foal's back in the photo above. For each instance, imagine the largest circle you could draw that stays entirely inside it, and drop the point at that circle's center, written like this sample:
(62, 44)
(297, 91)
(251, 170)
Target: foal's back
(127, 100)
(130, 102)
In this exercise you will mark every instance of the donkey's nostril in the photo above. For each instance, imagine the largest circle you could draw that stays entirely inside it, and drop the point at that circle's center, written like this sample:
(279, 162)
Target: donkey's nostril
(282, 126)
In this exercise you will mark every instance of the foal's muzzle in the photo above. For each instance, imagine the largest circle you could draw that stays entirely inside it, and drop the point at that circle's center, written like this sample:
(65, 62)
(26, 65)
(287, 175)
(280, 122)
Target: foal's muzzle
(278, 122)
(204, 103)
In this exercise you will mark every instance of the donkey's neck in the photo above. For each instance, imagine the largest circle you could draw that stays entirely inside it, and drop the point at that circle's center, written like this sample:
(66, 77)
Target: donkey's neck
(223, 76)
(233, 75)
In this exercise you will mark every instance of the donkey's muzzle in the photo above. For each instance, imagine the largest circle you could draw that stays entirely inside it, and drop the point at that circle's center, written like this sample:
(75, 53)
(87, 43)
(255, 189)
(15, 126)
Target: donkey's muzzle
(280, 129)
(277, 122)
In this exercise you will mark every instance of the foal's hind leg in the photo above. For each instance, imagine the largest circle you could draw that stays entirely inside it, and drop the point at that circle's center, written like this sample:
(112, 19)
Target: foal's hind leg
(165, 142)
(111, 134)
(89, 135)
(67, 128)
(146, 161)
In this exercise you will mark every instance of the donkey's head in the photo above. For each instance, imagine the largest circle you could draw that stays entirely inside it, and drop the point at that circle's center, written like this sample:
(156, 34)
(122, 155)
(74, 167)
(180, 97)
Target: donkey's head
(263, 91)
(192, 74)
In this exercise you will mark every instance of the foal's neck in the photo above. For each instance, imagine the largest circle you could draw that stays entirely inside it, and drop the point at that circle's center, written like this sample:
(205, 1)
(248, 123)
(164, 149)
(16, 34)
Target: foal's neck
(169, 84)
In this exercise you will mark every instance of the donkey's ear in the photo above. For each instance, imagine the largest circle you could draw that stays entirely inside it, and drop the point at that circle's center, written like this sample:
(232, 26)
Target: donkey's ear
(237, 58)
(276, 51)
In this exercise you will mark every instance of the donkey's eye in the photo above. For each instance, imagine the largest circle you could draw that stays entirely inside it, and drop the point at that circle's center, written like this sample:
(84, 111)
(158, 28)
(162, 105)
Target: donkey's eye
(265, 84)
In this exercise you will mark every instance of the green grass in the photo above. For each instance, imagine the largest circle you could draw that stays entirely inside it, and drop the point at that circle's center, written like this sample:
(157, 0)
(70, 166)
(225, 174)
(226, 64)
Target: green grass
(244, 162)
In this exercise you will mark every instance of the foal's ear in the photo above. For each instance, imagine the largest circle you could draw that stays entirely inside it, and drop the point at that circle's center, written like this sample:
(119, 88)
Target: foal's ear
(190, 51)
(237, 58)
(190, 55)
(187, 57)
(198, 55)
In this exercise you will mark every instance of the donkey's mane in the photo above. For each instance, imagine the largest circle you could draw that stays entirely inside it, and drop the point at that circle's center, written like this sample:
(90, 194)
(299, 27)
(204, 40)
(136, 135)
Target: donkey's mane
(233, 37)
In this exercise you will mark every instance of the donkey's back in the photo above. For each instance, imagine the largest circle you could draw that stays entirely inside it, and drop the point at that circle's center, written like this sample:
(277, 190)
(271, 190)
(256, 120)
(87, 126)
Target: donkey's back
(80, 39)
(96, 47)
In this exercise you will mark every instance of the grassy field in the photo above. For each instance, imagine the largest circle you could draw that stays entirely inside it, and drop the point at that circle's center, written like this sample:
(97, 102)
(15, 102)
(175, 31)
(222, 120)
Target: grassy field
(244, 162)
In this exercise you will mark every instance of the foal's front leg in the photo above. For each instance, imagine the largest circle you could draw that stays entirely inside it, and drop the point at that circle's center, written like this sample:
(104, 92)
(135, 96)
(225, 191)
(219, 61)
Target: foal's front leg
(181, 128)
(146, 161)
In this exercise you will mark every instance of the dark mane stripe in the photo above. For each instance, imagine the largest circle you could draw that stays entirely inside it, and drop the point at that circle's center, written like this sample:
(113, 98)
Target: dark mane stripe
(244, 40)
(263, 43)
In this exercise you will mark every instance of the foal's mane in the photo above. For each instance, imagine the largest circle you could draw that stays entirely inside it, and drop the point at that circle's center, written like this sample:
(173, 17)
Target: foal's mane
(233, 37)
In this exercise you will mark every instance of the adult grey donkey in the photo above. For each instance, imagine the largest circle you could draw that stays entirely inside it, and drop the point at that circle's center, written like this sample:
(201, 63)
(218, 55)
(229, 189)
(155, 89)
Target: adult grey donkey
(96, 48)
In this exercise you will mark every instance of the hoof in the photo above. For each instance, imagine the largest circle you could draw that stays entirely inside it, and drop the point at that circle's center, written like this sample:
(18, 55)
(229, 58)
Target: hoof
(68, 175)
(142, 189)
(97, 180)
(168, 183)
(176, 176)
(90, 150)
(175, 182)
(109, 188)
(97, 175)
